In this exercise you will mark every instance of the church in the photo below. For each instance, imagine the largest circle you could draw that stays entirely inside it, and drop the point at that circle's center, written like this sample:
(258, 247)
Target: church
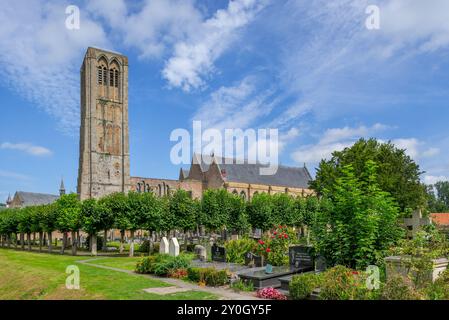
(104, 159)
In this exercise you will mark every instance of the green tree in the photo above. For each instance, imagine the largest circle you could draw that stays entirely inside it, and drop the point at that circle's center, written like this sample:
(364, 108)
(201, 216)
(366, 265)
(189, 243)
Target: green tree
(25, 226)
(48, 222)
(438, 197)
(260, 211)
(68, 209)
(91, 219)
(397, 173)
(214, 209)
(238, 217)
(362, 222)
(284, 210)
(119, 206)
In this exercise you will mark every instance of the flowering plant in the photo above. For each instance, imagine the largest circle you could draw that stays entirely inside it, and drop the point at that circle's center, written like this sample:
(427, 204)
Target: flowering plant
(262, 248)
(270, 293)
(280, 239)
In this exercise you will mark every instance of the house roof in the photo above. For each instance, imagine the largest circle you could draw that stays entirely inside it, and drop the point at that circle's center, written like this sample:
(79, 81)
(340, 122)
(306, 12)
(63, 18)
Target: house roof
(293, 177)
(441, 219)
(33, 199)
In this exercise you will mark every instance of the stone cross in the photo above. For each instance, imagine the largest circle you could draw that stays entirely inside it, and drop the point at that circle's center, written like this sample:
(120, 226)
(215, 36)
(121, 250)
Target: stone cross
(163, 247)
(174, 247)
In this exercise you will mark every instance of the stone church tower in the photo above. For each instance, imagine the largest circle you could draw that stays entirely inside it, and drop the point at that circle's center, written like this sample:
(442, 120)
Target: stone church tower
(104, 141)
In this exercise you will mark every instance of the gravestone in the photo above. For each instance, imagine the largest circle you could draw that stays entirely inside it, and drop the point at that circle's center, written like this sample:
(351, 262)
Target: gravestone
(253, 260)
(301, 257)
(201, 252)
(174, 247)
(218, 253)
(163, 246)
(257, 233)
(320, 264)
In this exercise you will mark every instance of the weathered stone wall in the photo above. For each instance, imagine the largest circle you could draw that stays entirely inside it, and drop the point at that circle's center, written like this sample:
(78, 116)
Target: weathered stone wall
(162, 187)
(104, 140)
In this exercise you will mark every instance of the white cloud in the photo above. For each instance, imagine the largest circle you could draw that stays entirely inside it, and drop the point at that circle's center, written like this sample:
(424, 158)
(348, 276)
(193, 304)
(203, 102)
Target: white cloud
(26, 147)
(152, 29)
(237, 106)
(429, 179)
(314, 153)
(410, 145)
(40, 57)
(335, 139)
(431, 152)
(13, 175)
(339, 134)
(194, 57)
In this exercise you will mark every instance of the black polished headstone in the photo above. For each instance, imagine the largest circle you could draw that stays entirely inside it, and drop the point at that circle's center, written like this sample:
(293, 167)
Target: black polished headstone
(218, 253)
(301, 256)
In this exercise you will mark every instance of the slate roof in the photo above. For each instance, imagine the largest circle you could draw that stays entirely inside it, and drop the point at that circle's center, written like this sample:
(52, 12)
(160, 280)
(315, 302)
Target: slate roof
(293, 177)
(32, 199)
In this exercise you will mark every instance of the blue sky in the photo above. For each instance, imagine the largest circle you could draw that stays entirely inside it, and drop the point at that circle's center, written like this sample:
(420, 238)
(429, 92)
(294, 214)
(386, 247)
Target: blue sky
(309, 68)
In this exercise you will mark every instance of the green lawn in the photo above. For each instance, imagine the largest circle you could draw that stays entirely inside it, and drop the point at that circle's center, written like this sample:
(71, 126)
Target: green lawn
(125, 263)
(26, 275)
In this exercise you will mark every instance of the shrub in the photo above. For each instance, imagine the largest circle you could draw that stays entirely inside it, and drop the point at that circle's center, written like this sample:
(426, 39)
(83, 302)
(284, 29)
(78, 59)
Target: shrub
(236, 250)
(270, 293)
(241, 285)
(399, 287)
(163, 264)
(145, 264)
(341, 283)
(208, 276)
(178, 273)
(302, 285)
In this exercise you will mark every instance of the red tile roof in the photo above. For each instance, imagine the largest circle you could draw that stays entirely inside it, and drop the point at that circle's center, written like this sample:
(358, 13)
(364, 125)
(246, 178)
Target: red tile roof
(441, 219)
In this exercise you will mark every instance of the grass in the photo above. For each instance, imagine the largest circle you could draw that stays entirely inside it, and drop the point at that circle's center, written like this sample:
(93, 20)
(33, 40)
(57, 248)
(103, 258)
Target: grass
(27, 275)
(125, 263)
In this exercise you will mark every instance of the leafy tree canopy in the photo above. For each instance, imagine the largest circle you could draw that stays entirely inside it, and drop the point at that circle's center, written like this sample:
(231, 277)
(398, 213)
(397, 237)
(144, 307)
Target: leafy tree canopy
(397, 173)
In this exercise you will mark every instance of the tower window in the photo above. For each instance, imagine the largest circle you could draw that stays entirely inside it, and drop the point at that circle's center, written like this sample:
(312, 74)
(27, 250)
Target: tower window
(105, 75)
(116, 78)
(100, 76)
(111, 78)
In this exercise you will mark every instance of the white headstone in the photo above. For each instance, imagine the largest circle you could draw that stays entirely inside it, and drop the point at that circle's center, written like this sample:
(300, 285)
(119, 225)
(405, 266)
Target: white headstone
(174, 247)
(163, 247)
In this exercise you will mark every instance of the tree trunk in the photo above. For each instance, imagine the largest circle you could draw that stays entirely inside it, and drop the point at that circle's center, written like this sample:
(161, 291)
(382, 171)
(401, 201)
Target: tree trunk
(150, 242)
(22, 240)
(29, 241)
(105, 240)
(50, 243)
(131, 246)
(45, 239)
(64, 242)
(93, 244)
(122, 236)
(40, 241)
(16, 243)
(1, 240)
(74, 243)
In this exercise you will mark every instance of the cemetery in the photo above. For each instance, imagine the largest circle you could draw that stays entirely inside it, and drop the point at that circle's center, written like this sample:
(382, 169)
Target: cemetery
(272, 247)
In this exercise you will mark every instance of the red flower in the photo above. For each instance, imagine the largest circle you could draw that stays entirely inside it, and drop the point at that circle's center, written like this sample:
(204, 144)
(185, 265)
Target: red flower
(261, 242)
(355, 272)
(268, 250)
(285, 236)
(275, 232)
